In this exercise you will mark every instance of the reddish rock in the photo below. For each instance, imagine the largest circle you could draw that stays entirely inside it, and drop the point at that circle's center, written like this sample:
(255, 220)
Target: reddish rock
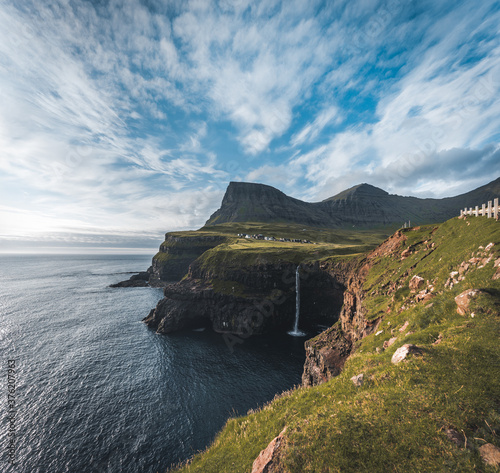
(463, 300)
(269, 457)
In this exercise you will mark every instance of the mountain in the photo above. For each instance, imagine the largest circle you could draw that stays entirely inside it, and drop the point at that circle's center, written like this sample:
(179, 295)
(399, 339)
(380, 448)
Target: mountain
(363, 206)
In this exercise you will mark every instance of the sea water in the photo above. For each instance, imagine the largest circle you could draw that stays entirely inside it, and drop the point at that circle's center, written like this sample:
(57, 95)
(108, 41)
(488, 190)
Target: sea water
(96, 390)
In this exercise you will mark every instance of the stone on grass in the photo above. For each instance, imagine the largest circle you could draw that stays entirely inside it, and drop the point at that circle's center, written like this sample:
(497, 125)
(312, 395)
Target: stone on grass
(268, 457)
(490, 454)
(463, 300)
(416, 283)
(490, 246)
(402, 352)
(389, 342)
(358, 380)
(404, 327)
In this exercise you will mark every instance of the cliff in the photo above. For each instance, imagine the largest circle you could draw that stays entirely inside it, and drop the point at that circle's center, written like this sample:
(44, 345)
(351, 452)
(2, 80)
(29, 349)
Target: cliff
(408, 378)
(172, 261)
(243, 294)
(362, 206)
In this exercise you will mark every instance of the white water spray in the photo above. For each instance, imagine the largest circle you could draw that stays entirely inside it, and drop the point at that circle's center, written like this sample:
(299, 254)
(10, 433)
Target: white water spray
(296, 332)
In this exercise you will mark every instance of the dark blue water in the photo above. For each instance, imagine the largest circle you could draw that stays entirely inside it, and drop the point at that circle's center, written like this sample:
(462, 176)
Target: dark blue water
(97, 391)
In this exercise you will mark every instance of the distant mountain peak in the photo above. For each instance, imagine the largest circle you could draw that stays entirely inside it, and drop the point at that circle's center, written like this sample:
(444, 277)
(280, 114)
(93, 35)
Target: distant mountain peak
(361, 191)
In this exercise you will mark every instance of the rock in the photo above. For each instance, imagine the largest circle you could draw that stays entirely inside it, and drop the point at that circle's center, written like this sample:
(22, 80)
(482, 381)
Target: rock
(325, 356)
(497, 263)
(406, 253)
(453, 274)
(136, 280)
(379, 332)
(389, 342)
(424, 296)
(490, 454)
(489, 246)
(358, 380)
(455, 437)
(404, 327)
(463, 300)
(416, 283)
(402, 352)
(269, 457)
(485, 261)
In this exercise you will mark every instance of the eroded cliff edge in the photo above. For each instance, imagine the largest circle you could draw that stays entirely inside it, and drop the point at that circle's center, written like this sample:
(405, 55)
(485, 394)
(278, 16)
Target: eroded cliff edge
(327, 352)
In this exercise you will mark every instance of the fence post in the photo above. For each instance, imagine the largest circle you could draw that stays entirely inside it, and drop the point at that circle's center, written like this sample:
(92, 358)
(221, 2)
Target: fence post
(476, 212)
(489, 208)
(495, 208)
(483, 210)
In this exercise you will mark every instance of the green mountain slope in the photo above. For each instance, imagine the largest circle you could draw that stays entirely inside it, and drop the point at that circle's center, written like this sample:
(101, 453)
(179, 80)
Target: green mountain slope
(431, 412)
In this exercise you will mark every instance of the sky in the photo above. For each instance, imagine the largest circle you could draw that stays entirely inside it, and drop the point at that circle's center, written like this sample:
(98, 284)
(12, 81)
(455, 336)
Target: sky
(122, 120)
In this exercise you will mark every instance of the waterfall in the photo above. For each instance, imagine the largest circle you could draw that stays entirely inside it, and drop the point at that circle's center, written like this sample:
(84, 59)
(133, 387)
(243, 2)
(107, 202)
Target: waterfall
(296, 332)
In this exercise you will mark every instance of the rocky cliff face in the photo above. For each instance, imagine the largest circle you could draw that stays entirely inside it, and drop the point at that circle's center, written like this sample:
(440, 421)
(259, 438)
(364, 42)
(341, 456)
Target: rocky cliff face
(327, 353)
(176, 253)
(172, 261)
(249, 300)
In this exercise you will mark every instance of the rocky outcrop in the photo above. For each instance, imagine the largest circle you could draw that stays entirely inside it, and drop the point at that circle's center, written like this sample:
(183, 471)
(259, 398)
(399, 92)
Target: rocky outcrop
(325, 356)
(172, 261)
(195, 303)
(269, 458)
(137, 280)
(327, 353)
(250, 300)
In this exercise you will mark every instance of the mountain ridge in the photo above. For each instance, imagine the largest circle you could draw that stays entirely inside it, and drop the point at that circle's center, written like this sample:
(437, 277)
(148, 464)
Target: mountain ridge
(363, 206)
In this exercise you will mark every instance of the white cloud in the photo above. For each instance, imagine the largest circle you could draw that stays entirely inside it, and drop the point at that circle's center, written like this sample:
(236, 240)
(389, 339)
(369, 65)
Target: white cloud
(311, 131)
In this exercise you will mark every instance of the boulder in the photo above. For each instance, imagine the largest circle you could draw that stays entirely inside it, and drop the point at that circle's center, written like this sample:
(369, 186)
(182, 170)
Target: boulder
(463, 300)
(490, 454)
(416, 283)
(402, 352)
(267, 459)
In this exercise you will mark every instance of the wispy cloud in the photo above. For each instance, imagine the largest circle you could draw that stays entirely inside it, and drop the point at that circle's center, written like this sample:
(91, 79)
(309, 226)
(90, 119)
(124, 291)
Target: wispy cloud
(120, 115)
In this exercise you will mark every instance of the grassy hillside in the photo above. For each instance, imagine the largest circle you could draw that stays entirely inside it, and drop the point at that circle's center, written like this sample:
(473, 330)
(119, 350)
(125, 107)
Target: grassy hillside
(397, 420)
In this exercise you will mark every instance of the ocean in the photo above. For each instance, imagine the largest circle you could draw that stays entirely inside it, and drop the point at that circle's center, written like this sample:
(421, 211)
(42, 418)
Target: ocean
(87, 387)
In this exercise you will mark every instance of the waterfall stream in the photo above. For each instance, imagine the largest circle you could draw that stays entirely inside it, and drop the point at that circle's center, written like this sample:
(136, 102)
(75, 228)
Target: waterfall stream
(296, 332)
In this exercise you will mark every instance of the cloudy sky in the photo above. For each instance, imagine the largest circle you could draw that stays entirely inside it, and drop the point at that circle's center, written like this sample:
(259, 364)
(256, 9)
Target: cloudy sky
(121, 120)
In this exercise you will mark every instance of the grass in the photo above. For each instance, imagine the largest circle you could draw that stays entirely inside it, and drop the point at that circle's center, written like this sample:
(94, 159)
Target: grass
(396, 421)
(240, 253)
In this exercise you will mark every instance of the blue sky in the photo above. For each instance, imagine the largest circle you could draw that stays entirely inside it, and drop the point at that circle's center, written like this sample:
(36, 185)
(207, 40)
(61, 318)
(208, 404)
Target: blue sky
(121, 120)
